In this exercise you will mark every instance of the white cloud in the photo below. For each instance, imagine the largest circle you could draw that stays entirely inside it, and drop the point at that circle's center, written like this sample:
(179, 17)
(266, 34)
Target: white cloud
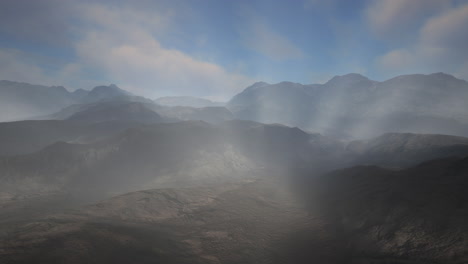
(17, 66)
(261, 38)
(391, 19)
(396, 59)
(440, 46)
(119, 44)
(447, 31)
(25, 67)
(123, 48)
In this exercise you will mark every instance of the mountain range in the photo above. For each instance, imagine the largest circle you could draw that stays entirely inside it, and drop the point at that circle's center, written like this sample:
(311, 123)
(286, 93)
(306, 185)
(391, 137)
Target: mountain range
(19, 101)
(347, 107)
(352, 106)
(350, 171)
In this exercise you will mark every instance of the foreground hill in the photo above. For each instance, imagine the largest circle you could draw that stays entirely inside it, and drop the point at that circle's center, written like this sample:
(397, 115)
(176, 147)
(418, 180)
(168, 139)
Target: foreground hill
(352, 106)
(233, 223)
(417, 215)
(356, 215)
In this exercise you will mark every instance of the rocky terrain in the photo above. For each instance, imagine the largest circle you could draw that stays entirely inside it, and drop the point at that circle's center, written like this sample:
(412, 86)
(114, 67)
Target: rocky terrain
(416, 215)
(250, 222)
(356, 215)
(105, 176)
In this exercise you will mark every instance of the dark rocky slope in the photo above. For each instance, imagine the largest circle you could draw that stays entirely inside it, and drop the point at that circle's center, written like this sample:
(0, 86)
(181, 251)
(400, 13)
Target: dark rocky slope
(416, 215)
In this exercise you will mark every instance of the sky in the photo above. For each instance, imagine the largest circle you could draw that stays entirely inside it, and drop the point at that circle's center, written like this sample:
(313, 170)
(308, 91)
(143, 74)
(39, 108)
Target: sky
(216, 48)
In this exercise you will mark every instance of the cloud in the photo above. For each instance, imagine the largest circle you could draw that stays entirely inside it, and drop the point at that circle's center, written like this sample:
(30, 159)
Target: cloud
(21, 66)
(448, 31)
(440, 46)
(123, 48)
(397, 19)
(261, 38)
(396, 59)
(18, 66)
(110, 43)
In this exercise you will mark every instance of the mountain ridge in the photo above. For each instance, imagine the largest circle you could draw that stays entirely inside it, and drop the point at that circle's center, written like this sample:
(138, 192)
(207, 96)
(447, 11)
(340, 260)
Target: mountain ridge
(353, 106)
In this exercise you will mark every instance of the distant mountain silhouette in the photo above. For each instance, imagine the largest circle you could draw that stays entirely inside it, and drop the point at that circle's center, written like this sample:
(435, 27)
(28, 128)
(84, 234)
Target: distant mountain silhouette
(22, 100)
(186, 101)
(126, 109)
(352, 106)
(102, 92)
(19, 101)
(210, 114)
(117, 111)
(348, 107)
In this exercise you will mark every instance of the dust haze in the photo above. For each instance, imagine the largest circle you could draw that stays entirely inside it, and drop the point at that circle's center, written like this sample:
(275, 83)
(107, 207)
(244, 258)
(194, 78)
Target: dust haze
(152, 133)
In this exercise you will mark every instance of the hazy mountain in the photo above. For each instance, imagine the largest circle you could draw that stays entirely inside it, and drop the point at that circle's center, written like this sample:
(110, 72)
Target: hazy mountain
(112, 93)
(192, 152)
(22, 100)
(99, 93)
(80, 94)
(153, 155)
(23, 137)
(116, 111)
(286, 103)
(354, 106)
(282, 147)
(406, 149)
(211, 114)
(240, 191)
(173, 154)
(120, 108)
(186, 101)
(348, 106)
